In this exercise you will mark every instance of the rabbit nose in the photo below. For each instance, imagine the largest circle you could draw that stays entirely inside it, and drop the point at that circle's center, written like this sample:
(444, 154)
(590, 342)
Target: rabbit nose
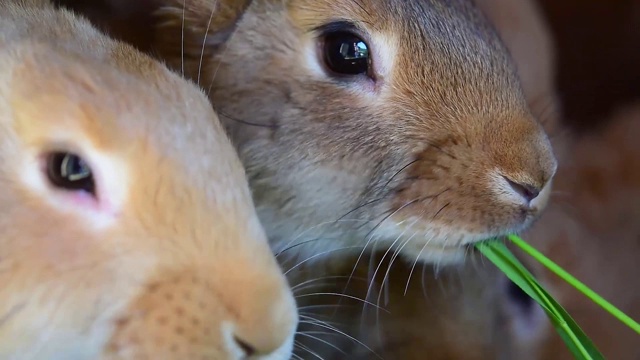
(527, 191)
(224, 316)
(247, 349)
(266, 324)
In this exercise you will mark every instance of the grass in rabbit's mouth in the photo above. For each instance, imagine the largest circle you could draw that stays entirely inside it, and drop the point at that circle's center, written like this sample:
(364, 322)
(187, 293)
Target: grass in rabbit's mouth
(576, 340)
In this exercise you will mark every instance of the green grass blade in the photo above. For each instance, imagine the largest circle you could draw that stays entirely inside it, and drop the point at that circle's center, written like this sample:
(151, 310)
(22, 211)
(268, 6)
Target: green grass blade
(576, 340)
(624, 318)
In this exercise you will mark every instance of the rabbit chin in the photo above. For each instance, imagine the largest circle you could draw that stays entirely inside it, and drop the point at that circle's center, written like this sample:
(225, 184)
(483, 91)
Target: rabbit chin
(438, 245)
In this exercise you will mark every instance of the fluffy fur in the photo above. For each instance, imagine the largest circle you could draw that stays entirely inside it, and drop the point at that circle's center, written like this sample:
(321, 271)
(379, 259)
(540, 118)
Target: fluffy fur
(421, 157)
(168, 259)
(468, 312)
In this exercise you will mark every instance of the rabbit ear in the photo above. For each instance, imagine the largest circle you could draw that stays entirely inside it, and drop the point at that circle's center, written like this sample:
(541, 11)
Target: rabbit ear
(189, 30)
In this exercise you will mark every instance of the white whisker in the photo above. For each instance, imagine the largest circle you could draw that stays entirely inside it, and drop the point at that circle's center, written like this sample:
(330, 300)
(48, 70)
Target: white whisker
(328, 327)
(340, 295)
(184, 10)
(318, 255)
(204, 41)
(322, 341)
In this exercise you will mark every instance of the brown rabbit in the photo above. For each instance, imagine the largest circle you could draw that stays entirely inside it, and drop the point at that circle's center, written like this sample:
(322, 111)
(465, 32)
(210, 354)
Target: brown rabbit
(590, 228)
(468, 312)
(119, 238)
(368, 124)
(476, 315)
(342, 135)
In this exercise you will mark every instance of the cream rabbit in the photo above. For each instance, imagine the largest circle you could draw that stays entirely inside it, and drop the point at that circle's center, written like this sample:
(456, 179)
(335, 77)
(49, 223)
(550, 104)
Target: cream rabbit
(391, 122)
(127, 229)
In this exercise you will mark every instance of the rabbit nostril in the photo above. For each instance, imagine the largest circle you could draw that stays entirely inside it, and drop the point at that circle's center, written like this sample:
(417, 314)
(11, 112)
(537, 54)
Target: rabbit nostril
(246, 348)
(528, 192)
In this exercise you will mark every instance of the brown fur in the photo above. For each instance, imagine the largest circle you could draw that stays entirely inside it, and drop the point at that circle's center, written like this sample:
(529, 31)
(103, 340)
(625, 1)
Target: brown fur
(421, 151)
(352, 136)
(447, 313)
(169, 260)
(590, 229)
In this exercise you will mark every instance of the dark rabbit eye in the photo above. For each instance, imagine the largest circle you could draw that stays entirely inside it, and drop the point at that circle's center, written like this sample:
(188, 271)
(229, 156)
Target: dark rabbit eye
(69, 172)
(346, 53)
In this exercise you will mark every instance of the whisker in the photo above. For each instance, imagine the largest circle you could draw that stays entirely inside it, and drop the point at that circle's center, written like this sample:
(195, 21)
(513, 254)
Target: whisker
(387, 252)
(222, 55)
(322, 341)
(300, 244)
(204, 41)
(289, 246)
(325, 333)
(359, 207)
(328, 327)
(406, 288)
(316, 321)
(305, 348)
(341, 296)
(370, 238)
(442, 208)
(240, 121)
(398, 173)
(385, 281)
(184, 10)
(293, 288)
(320, 254)
(310, 308)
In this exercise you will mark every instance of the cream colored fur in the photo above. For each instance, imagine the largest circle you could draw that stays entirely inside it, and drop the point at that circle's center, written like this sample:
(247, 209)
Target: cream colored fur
(168, 259)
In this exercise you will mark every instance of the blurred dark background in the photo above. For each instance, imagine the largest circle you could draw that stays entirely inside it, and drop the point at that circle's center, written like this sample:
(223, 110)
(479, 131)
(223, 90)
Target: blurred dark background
(598, 47)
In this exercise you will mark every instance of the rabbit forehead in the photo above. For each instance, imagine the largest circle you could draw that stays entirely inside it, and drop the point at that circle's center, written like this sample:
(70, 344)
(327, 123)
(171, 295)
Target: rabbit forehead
(445, 49)
(85, 106)
(424, 20)
(58, 93)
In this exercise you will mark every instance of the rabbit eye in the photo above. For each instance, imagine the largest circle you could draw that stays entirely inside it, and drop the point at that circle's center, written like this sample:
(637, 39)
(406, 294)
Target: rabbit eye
(346, 53)
(69, 172)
